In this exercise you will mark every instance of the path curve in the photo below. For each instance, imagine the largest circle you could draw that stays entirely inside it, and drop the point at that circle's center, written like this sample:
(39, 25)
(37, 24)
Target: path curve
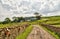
(39, 33)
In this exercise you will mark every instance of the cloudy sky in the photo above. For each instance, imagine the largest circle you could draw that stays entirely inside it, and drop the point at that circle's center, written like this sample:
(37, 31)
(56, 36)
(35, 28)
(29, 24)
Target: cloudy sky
(11, 8)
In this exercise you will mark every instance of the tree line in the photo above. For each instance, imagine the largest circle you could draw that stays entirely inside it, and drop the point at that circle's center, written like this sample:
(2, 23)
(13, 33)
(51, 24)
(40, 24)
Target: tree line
(21, 19)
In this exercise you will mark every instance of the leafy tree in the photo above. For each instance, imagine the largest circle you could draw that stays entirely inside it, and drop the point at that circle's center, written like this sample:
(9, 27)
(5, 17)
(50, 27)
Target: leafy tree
(15, 19)
(18, 19)
(21, 19)
(7, 20)
(37, 15)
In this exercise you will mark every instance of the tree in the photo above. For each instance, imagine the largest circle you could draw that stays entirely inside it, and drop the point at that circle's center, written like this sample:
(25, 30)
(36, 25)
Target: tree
(15, 19)
(21, 19)
(37, 15)
(18, 19)
(7, 20)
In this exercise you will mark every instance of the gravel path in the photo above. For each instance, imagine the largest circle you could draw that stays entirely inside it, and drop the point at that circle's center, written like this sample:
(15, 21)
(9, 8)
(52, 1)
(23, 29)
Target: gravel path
(39, 33)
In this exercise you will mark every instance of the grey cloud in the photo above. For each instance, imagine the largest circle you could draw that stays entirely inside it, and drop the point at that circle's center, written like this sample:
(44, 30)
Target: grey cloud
(0, 1)
(57, 7)
(24, 3)
(16, 12)
(36, 6)
(6, 6)
(31, 7)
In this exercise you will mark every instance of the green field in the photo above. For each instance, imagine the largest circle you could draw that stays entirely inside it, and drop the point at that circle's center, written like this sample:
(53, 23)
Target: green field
(53, 20)
(12, 24)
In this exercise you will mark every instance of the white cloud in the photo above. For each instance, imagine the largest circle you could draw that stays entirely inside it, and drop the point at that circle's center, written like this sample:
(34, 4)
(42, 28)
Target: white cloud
(53, 13)
(19, 7)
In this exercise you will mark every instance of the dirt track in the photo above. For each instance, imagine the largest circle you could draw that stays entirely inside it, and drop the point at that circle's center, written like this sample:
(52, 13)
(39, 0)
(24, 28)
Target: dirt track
(39, 33)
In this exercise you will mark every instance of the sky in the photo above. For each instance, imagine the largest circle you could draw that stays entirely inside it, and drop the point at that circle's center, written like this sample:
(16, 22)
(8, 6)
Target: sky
(11, 8)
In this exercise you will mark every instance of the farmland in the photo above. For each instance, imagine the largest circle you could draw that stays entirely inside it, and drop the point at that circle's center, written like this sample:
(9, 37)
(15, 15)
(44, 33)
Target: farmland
(22, 30)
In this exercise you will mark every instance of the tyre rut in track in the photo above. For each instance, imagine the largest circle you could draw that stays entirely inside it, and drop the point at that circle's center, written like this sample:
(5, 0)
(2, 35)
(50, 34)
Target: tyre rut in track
(39, 33)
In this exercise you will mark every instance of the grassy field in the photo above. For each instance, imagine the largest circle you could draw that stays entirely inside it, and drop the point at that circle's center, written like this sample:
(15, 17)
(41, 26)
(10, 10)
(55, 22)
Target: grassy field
(53, 20)
(12, 24)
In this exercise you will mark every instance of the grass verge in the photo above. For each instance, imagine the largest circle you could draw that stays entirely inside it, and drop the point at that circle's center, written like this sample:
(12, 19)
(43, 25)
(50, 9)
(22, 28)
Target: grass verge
(25, 33)
(12, 24)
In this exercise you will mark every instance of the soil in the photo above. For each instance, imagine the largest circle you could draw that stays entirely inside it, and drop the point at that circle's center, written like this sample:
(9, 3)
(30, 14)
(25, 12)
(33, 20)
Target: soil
(39, 33)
